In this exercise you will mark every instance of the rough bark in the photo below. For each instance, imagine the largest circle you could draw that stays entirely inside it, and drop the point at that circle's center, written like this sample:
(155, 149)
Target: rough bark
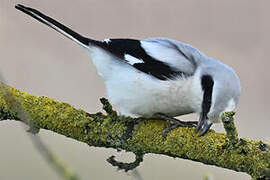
(140, 137)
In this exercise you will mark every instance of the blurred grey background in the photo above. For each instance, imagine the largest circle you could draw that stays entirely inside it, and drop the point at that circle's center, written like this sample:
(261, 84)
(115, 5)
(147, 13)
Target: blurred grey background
(40, 61)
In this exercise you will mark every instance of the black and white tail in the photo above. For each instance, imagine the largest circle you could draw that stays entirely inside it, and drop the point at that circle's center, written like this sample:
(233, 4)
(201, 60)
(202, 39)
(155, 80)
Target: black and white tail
(81, 40)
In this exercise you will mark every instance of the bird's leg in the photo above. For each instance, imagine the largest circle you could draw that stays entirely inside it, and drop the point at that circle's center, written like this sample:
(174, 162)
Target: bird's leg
(203, 125)
(175, 123)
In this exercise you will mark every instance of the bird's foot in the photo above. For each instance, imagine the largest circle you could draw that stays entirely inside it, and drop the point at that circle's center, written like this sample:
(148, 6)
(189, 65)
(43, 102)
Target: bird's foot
(203, 126)
(174, 123)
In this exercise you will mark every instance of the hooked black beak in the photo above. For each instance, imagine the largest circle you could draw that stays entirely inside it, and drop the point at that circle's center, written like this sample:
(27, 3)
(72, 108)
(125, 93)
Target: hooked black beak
(203, 125)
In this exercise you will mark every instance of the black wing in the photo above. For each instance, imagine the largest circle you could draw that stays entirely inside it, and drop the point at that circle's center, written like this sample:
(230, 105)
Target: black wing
(132, 47)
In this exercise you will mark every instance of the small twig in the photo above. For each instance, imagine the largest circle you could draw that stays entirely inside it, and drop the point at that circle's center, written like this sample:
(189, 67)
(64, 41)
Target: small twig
(139, 156)
(107, 107)
(126, 166)
(230, 128)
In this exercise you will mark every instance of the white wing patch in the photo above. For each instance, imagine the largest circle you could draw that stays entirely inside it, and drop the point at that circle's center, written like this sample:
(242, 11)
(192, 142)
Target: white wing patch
(132, 60)
(107, 40)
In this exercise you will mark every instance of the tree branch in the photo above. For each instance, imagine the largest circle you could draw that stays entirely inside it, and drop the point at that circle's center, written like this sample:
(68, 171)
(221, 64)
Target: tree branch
(142, 137)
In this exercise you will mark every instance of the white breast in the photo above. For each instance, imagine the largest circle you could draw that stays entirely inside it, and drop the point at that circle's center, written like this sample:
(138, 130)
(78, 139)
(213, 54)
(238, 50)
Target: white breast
(138, 95)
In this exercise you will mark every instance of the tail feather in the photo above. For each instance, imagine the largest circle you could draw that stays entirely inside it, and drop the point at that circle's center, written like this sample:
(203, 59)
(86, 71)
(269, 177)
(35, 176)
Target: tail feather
(81, 40)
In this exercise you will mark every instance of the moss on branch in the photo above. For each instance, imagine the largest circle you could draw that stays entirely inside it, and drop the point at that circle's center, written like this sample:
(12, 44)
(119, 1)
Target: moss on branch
(227, 151)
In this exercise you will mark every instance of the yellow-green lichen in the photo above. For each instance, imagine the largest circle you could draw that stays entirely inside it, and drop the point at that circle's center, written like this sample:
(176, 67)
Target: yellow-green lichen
(227, 151)
(230, 128)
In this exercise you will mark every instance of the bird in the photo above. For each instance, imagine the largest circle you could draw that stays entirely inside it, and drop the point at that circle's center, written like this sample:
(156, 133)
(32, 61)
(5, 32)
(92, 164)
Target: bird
(158, 77)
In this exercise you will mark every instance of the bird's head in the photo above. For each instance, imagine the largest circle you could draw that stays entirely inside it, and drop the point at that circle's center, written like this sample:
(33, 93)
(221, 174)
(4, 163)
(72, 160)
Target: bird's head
(221, 91)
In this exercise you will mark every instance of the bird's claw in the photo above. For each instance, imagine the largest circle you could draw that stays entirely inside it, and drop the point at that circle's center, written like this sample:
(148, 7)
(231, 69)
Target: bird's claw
(177, 124)
(174, 123)
(203, 127)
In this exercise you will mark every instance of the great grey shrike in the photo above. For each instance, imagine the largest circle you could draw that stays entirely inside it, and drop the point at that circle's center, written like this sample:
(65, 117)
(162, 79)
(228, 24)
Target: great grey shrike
(158, 77)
